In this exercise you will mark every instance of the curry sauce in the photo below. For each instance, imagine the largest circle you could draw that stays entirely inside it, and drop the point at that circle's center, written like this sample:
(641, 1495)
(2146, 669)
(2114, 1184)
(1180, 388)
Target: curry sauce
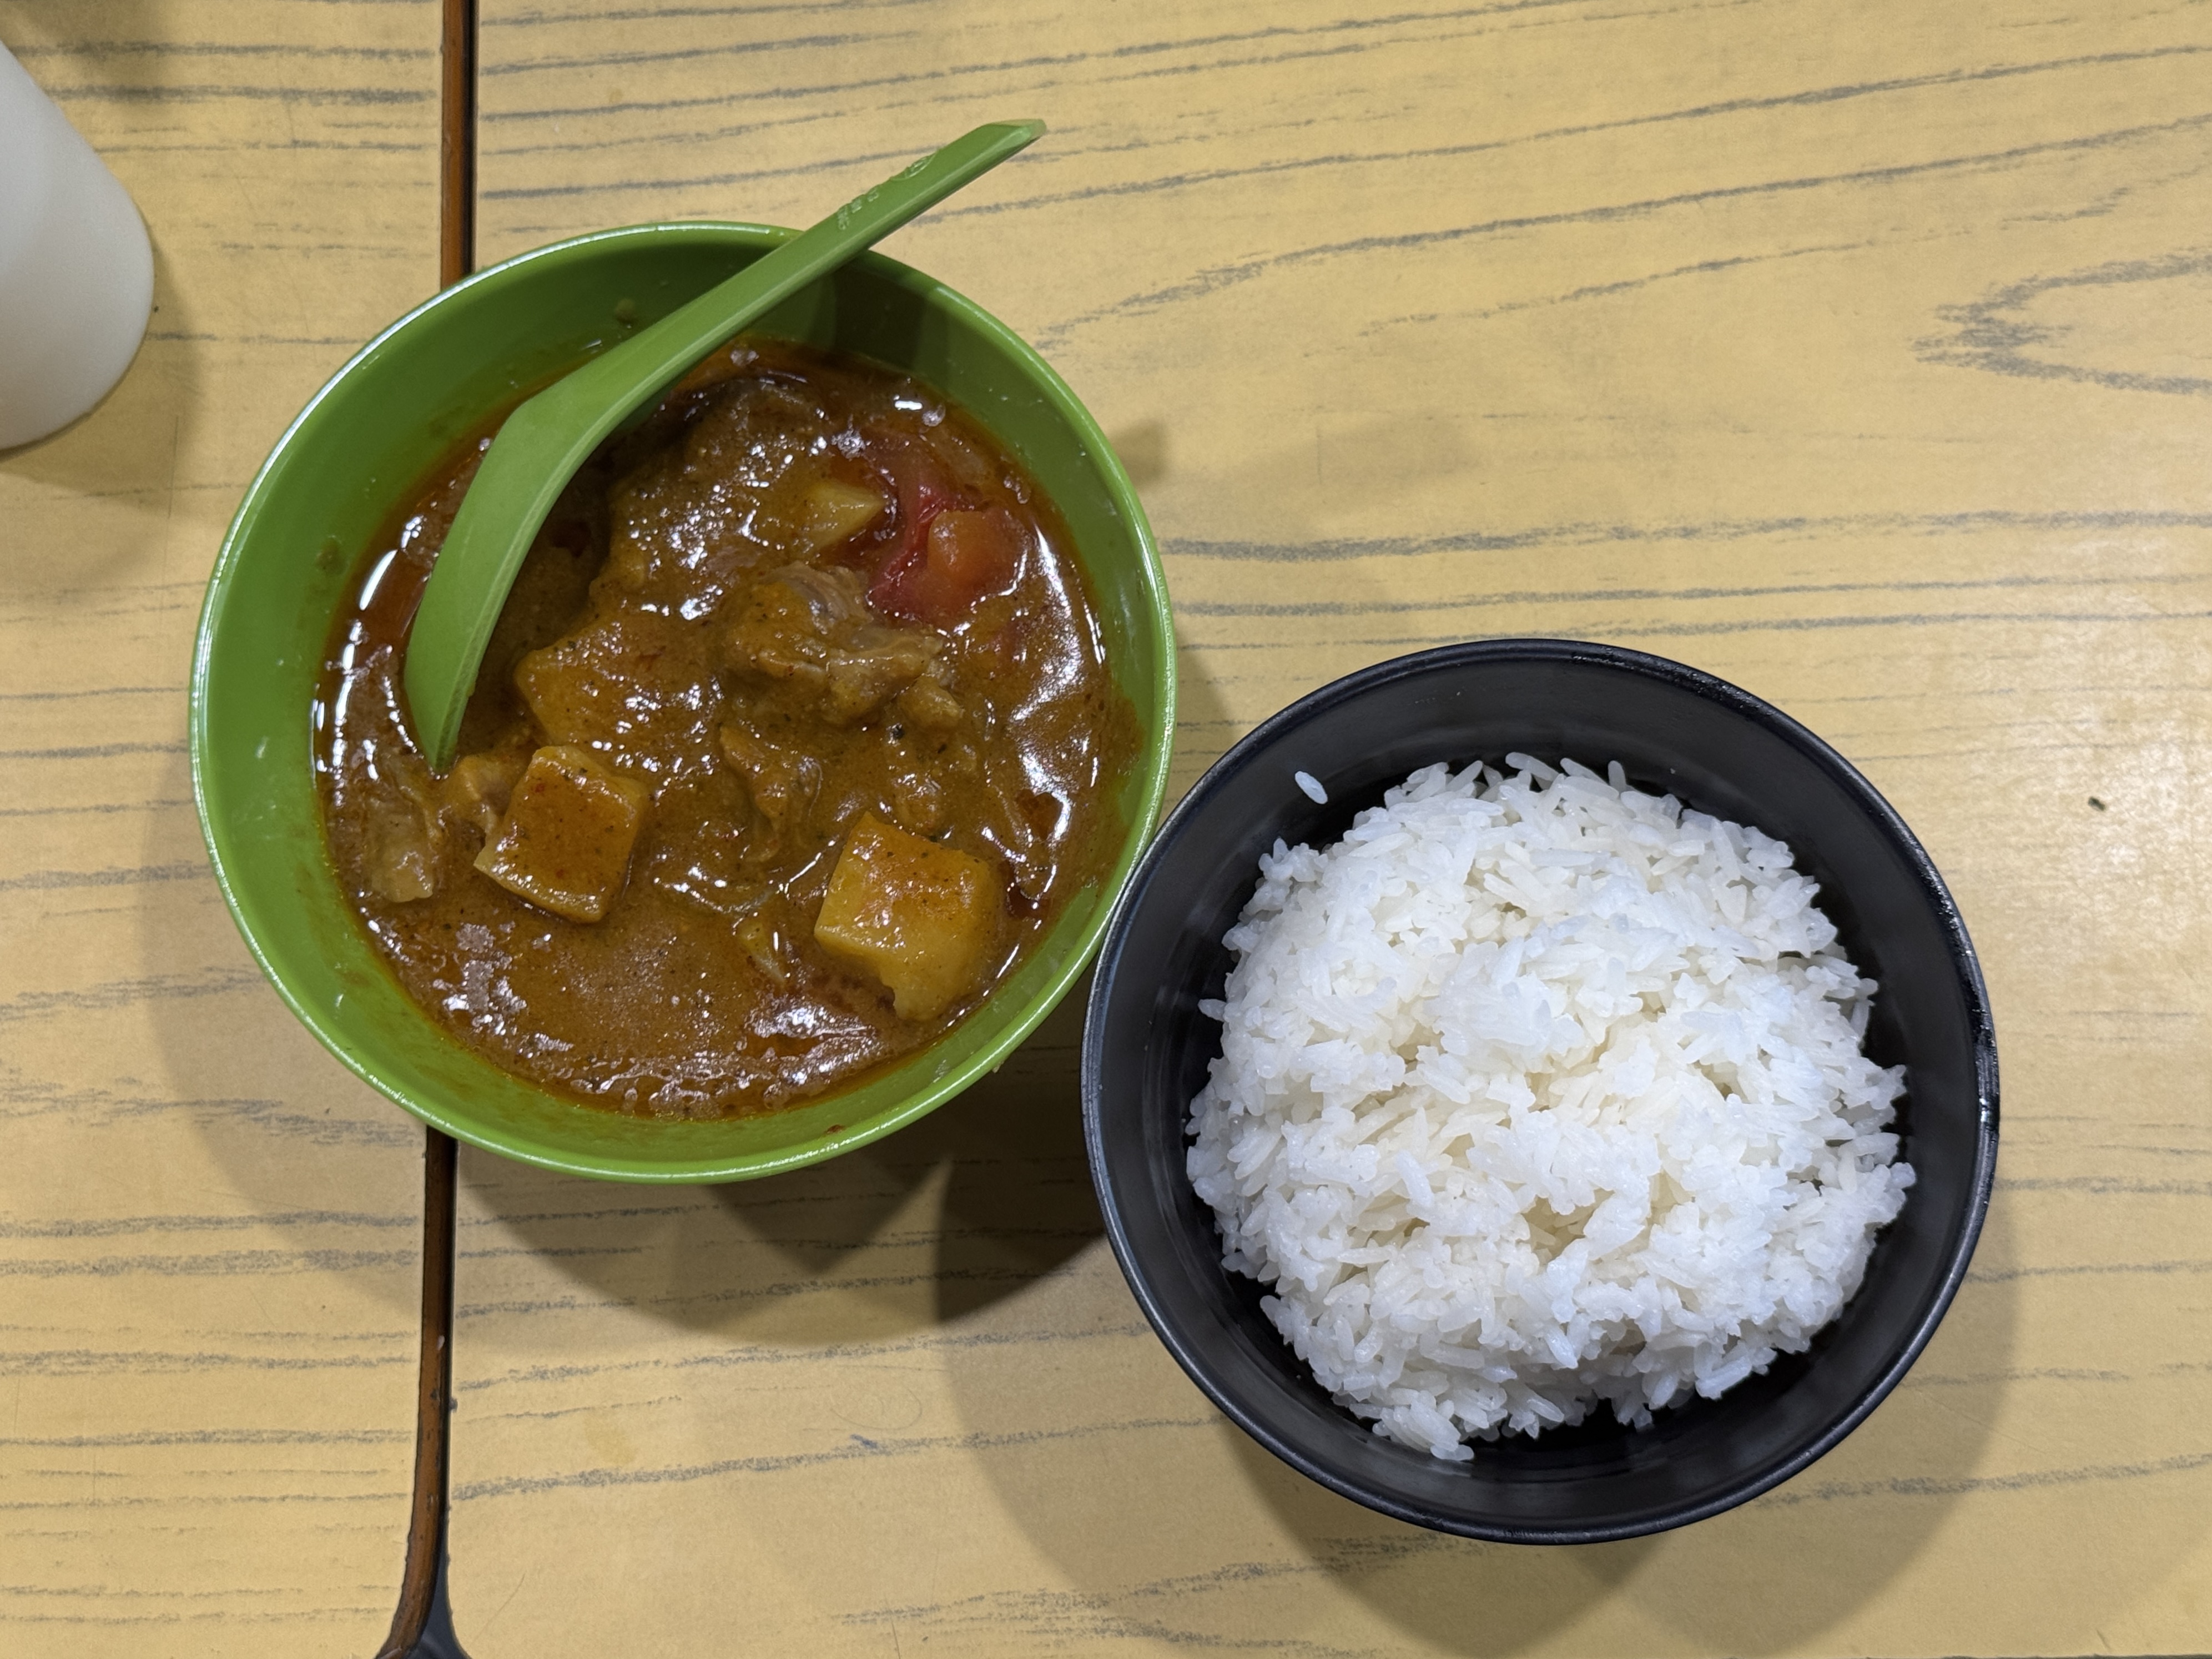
(796, 732)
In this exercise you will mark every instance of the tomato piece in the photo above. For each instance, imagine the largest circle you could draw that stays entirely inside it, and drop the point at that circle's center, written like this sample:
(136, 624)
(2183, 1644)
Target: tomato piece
(921, 491)
(966, 556)
(924, 491)
(973, 555)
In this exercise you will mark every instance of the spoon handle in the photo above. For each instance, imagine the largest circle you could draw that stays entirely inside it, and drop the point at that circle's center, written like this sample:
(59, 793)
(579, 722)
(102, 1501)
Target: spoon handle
(656, 357)
(541, 446)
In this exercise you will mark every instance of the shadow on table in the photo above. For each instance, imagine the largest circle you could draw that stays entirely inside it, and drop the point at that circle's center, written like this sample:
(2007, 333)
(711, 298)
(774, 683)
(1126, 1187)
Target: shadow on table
(1808, 1556)
(976, 1202)
(1764, 1578)
(1456, 1595)
(1236, 1540)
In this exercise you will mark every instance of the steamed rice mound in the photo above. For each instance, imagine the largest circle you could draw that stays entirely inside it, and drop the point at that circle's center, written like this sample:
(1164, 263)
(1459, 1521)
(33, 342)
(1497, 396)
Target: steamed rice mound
(1536, 1092)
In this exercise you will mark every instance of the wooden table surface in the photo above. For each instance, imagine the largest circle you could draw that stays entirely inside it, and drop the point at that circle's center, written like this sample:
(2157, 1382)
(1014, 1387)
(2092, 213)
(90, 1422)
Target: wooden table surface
(1861, 354)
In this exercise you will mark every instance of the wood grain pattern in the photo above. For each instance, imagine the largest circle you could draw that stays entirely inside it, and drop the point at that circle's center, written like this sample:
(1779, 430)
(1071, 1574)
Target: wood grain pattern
(208, 1232)
(1858, 354)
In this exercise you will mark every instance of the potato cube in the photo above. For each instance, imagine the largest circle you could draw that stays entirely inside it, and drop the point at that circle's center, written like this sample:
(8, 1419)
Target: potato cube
(832, 512)
(609, 682)
(922, 918)
(565, 843)
(479, 785)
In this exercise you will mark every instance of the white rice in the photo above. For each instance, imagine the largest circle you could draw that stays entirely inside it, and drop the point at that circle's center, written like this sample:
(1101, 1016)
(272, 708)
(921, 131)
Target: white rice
(1536, 1092)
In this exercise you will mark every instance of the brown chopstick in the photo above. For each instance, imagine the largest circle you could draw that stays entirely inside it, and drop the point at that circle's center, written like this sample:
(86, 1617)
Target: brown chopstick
(421, 1625)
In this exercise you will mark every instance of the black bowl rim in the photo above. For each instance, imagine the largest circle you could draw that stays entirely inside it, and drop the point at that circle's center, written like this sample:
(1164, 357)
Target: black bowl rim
(1964, 963)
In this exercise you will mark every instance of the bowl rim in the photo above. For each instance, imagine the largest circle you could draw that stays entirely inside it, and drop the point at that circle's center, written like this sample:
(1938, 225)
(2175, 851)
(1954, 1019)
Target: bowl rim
(1154, 764)
(1965, 963)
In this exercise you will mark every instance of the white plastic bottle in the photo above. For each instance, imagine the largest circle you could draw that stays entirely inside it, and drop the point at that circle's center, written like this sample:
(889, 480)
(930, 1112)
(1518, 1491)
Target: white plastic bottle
(76, 272)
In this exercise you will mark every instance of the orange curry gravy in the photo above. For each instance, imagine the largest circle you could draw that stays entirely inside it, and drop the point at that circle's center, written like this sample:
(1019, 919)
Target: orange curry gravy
(799, 692)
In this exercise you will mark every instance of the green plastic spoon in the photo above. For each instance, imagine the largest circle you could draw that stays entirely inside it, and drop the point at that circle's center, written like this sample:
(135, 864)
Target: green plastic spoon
(543, 442)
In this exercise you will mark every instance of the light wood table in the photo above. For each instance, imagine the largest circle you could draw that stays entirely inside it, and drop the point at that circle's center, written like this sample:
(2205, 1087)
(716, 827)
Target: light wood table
(1861, 354)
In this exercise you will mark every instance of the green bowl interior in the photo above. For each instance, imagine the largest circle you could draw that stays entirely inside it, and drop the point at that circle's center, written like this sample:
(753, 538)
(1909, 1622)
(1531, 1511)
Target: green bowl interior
(372, 435)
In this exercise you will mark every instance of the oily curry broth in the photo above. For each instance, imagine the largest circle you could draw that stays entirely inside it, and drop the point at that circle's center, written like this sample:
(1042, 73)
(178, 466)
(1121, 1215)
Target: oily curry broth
(808, 648)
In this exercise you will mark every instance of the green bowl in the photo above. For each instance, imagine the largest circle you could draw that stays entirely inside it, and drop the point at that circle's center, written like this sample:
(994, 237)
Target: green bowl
(372, 435)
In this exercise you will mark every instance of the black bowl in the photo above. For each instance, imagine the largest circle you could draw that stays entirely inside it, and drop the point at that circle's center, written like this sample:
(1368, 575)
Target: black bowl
(1715, 748)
